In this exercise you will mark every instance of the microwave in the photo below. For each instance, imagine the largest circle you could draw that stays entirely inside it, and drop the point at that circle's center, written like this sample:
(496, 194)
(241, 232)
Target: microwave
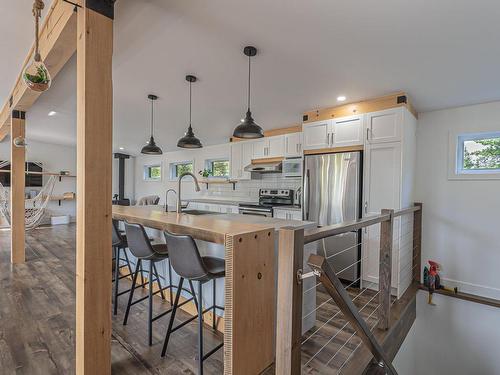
(292, 167)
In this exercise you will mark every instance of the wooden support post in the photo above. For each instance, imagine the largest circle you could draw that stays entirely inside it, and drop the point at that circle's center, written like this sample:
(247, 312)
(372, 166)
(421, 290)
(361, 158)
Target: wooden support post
(289, 317)
(385, 270)
(17, 165)
(250, 303)
(417, 244)
(94, 169)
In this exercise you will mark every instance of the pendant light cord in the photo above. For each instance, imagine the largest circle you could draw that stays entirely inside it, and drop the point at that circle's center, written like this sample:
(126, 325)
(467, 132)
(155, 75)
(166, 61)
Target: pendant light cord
(38, 5)
(152, 117)
(190, 98)
(249, 69)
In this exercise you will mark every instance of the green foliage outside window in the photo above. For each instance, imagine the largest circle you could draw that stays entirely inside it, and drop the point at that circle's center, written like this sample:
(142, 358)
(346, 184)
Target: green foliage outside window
(482, 154)
(155, 173)
(183, 168)
(220, 168)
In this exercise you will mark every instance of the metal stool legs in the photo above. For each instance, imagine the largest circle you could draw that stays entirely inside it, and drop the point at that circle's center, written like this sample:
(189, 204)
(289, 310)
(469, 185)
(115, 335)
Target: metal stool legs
(117, 276)
(199, 316)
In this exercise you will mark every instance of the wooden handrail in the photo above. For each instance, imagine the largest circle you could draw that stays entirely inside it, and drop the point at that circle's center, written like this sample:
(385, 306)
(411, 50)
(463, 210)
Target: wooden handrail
(316, 234)
(334, 287)
(405, 211)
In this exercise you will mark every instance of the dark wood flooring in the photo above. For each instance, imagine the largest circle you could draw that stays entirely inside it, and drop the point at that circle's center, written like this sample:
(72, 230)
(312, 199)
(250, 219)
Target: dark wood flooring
(37, 319)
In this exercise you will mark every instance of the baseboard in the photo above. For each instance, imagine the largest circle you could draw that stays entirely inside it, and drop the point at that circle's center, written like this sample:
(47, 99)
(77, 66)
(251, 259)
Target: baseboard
(470, 288)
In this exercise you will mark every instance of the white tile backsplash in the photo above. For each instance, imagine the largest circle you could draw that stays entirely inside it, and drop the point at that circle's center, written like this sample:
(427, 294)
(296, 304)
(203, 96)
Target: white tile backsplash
(245, 190)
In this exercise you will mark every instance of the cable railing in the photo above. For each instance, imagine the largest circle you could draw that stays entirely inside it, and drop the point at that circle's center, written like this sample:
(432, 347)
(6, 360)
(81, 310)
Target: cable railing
(345, 313)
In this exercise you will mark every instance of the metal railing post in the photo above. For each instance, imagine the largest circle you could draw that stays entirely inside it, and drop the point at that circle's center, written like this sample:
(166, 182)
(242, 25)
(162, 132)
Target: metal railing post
(417, 244)
(385, 269)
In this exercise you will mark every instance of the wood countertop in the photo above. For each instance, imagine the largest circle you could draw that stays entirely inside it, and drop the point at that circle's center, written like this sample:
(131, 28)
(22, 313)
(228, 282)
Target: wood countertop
(210, 227)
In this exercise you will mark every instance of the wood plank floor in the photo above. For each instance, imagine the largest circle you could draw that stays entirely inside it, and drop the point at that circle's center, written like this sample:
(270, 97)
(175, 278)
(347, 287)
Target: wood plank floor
(37, 319)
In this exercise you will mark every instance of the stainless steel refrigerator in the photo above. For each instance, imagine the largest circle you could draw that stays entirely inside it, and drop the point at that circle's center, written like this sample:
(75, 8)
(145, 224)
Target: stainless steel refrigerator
(332, 190)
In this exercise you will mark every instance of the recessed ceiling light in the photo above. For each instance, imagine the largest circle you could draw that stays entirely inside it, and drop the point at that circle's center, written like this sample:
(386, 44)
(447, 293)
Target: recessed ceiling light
(341, 98)
(121, 148)
(52, 113)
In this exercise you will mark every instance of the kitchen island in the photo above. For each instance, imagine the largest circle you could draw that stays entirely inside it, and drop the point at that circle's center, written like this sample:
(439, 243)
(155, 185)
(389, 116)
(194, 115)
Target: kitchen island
(249, 246)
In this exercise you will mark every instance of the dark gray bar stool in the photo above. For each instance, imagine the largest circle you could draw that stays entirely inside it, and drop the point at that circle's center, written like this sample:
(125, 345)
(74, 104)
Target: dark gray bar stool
(189, 264)
(119, 243)
(140, 246)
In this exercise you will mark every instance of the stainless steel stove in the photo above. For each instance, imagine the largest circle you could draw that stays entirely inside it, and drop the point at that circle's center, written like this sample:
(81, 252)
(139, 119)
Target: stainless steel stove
(268, 198)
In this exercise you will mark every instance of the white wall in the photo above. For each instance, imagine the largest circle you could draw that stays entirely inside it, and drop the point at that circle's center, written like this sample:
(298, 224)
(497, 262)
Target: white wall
(55, 158)
(461, 218)
(454, 337)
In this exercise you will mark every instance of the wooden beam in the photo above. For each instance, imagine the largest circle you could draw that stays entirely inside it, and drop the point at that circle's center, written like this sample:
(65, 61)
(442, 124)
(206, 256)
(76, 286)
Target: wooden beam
(17, 162)
(385, 269)
(289, 317)
(94, 166)
(399, 99)
(351, 313)
(250, 303)
(332, 150)
(417, 244)
(57, 45)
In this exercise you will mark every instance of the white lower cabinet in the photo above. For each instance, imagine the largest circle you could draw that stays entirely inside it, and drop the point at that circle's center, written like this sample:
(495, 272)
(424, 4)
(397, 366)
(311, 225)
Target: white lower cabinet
(287, 214)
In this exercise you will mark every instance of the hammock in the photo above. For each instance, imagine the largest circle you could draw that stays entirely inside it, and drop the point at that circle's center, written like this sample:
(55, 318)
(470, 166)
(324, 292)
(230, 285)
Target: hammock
(34, 208)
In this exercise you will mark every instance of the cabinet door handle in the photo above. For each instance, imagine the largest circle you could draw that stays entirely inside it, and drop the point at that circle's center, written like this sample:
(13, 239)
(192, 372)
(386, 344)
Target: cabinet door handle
(367, 134)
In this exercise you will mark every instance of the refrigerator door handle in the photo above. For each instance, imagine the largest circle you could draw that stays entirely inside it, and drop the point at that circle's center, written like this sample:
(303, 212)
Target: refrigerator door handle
(306, 195)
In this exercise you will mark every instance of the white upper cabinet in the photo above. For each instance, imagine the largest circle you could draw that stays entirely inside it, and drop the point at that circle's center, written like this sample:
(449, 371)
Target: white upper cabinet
(317, 134)
(241, 156)
(384, 126)
(341, 132)
(348, 131)
(269, 147)
(293, 144)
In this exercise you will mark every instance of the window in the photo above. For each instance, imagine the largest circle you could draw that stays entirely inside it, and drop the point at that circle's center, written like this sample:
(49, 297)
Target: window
(478, 153)
(152, 172)
(176, 169)
(218, 167)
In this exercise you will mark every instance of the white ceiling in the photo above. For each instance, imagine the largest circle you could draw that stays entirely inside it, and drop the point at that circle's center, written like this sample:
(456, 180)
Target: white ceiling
(443, 53)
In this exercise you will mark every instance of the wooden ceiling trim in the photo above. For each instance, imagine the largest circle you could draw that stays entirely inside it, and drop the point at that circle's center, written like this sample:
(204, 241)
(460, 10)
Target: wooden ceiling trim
(399, 99)
(57, 45)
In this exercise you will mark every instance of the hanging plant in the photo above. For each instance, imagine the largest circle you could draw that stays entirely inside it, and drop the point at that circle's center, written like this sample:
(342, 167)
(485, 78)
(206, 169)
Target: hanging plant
(36, 76)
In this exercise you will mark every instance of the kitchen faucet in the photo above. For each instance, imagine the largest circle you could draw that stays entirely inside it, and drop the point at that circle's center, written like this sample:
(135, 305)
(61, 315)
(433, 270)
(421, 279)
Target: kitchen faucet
(196, 186)
(166, 198)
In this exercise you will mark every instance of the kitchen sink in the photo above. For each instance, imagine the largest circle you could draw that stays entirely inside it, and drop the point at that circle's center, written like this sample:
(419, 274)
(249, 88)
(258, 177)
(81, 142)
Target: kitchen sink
(200, 212)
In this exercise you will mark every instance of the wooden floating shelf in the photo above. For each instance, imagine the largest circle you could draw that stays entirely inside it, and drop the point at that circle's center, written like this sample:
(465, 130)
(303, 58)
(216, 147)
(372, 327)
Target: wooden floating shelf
(61, 198)
(219, 182)
(466, 296)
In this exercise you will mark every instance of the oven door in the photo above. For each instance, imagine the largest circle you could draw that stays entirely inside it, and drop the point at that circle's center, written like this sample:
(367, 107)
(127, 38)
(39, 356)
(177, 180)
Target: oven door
(255, 211)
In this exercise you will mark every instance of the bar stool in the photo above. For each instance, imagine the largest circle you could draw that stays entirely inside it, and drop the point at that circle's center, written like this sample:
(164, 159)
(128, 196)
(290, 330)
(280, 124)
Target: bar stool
(140, 246)
(188, 264)
(119, 243)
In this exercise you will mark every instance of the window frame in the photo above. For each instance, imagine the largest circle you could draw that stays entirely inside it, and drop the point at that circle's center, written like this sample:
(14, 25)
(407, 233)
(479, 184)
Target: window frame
(173, 168)
(456, 157)
(209, 165)
(146, 173)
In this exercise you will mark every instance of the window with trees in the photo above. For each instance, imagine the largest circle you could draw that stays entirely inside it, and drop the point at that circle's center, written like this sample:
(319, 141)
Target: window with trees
(177, 169)
(478, 153)
(152, 172)
(218, 167)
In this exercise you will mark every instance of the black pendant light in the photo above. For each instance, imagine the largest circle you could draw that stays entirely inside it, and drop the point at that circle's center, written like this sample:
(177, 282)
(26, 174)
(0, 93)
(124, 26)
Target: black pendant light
(151, 148)
(189, 140)
(248, 128)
